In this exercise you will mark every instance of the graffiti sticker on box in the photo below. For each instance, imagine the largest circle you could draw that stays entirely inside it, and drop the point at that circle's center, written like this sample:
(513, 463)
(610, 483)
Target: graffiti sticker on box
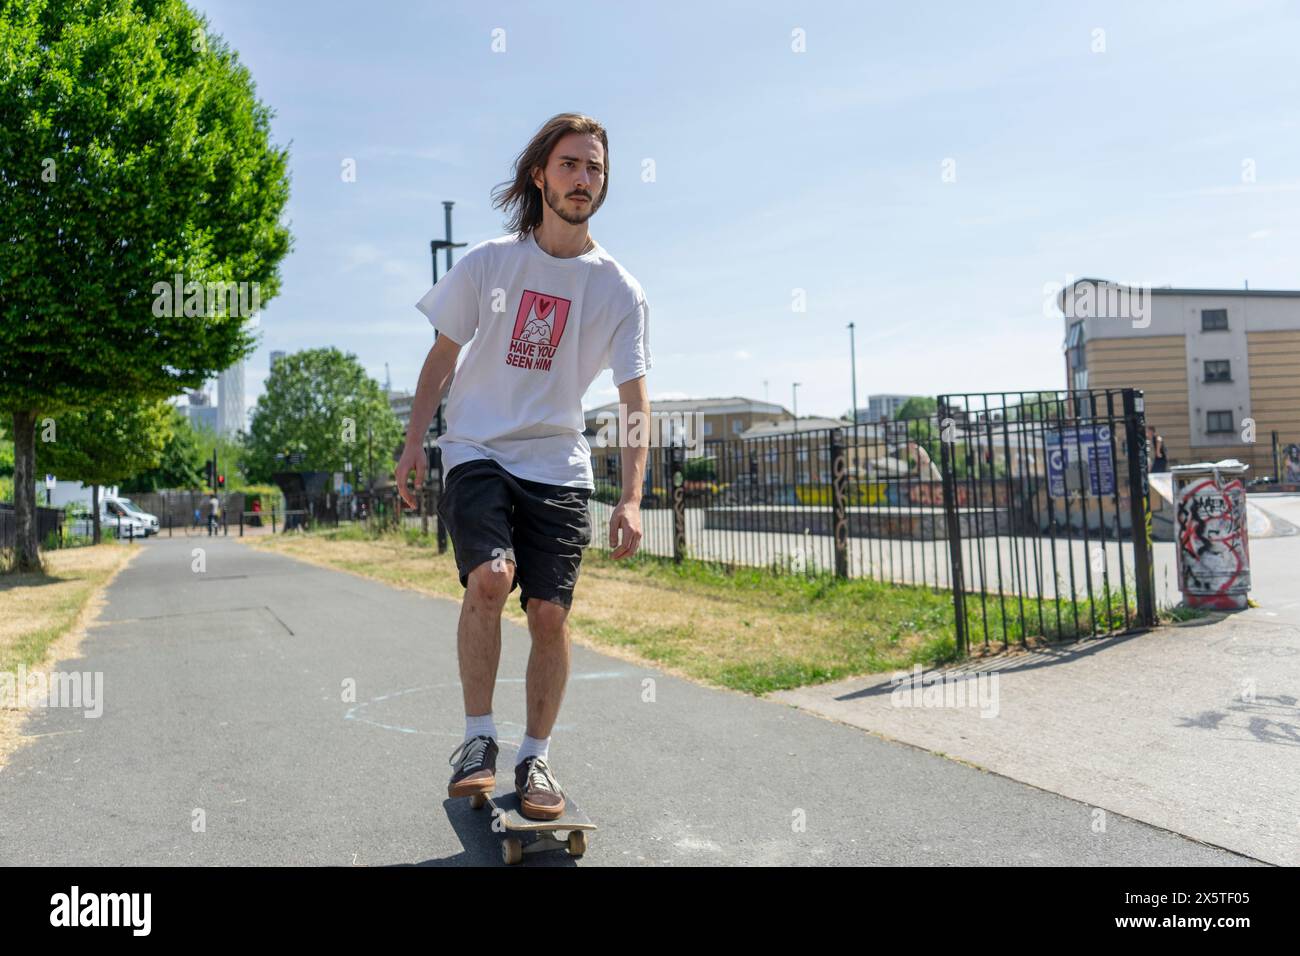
(1071, 451)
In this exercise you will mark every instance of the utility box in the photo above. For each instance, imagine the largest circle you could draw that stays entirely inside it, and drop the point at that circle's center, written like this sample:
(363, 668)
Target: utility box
(1213, 552)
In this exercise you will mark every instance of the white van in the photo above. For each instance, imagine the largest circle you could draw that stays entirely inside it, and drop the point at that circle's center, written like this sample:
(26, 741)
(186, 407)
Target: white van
(124, 525)
(150, 522)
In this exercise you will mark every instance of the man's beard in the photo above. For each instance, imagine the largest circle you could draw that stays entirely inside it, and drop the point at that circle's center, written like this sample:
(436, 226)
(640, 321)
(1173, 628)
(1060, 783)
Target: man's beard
(554, 200)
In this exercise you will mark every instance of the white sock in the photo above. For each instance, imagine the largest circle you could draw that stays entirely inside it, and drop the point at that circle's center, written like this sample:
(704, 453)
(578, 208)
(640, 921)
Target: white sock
(533, 747)
(482, 724)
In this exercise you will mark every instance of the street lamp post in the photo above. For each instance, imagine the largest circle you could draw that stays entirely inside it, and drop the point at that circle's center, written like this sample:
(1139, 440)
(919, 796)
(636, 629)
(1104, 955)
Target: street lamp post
(853, 367)
(434, 460)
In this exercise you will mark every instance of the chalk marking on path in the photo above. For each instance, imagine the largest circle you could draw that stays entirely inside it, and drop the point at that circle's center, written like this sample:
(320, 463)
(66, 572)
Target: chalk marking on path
(354, 712)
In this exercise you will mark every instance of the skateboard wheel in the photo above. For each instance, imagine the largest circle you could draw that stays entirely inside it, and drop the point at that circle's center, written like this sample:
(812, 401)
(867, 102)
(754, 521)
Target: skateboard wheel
(476, 801)
(512, 851)
(577, 843)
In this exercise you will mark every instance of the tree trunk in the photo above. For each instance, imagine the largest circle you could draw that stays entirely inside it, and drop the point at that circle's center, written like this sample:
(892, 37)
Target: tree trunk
(27, 557)
(94, 513)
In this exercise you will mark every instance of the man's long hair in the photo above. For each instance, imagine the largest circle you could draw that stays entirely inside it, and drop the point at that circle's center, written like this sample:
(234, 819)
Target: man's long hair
(519, 197)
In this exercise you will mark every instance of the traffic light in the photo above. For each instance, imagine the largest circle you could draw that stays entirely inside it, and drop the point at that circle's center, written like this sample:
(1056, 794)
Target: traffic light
(211, 481)
(221, 481)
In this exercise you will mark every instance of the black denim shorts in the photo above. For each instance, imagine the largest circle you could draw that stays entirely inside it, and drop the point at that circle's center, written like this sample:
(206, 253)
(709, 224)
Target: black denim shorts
(493, 515)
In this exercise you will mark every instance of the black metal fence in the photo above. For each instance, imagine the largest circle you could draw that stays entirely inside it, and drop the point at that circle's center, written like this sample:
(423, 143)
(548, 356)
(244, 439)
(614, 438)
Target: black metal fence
(1057, 542)
(858, 501)
(1021, 504)
(49, 527)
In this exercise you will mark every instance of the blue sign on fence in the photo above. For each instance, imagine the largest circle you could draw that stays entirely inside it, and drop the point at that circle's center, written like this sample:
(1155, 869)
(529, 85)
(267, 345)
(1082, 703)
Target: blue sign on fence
(1079, 448)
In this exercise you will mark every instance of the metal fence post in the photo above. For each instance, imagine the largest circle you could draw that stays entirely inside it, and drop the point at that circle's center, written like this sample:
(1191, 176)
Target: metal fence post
(679, 506)
(948, 468)
(839, 511)
(1140, 504)
(272, 519)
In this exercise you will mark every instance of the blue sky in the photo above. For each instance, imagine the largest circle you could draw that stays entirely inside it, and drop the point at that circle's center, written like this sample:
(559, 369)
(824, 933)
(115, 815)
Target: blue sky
(778, 170)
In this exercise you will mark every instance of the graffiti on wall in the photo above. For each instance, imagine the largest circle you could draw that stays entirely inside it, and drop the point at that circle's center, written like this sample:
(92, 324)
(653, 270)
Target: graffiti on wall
(1213, 558)
(1291, 465)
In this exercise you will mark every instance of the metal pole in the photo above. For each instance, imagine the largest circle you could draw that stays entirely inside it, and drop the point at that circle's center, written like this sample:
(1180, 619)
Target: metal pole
(1139, 505)
(839, 508)
(853, 366)
(948, 470)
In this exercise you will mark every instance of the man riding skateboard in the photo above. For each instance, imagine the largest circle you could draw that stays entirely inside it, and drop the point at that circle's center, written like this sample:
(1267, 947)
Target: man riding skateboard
(547, 309)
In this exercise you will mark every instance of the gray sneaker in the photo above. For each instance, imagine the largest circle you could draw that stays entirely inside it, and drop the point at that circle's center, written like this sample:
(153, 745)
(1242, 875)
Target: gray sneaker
(474, 765)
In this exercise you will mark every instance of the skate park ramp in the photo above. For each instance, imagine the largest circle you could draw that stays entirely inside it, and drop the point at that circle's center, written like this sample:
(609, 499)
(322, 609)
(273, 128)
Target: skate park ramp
(1260, 523)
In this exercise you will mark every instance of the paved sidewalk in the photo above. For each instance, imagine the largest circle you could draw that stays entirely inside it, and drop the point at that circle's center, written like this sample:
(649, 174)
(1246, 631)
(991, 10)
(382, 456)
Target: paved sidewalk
(1195, 728)
(223, 694)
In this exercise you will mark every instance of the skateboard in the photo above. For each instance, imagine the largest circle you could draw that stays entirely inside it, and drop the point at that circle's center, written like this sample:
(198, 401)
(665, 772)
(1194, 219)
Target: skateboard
(541, 834)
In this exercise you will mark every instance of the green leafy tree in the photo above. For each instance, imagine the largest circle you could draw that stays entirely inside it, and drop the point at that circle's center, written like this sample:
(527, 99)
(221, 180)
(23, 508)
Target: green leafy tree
(232, 455)
(916, 407)
(180, 464)
(103, 445)
(1042, 407)
(133, 151)
(321, 403)
(6, 457)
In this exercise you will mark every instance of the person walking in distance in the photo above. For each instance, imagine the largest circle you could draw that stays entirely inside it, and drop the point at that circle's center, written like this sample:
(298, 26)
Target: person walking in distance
(1156, 447)
(214, 514)
(547, 309)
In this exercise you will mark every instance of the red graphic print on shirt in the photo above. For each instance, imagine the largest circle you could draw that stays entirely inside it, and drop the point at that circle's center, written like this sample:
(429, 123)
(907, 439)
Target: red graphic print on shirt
(538, 328)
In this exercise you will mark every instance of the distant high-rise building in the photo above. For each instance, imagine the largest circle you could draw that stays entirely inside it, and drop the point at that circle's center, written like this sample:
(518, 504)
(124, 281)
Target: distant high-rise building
(230, 400)
(274, 356)
(883, 406)
(199, 411)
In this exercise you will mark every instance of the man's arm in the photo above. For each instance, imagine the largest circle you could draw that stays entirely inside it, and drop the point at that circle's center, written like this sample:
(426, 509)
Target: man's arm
(439, 365)
(625, 522)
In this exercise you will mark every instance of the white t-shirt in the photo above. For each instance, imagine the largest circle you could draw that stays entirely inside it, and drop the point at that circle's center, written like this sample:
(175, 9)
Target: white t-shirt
(543, 328)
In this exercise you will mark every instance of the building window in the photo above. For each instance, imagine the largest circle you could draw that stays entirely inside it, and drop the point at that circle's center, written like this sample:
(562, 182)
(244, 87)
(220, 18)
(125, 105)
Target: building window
(1218, 370)
(737, 427)
(708, 428)
(1074, 340)
(1218, 422)
(1075, 360)
(1214, 320)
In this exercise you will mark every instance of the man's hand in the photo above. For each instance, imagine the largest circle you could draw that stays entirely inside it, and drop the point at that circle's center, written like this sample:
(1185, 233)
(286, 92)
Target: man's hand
(626, 520)
(413, 458)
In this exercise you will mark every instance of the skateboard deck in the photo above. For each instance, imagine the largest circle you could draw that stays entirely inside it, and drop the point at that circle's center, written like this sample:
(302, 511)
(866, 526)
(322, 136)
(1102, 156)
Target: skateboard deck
(525, 835)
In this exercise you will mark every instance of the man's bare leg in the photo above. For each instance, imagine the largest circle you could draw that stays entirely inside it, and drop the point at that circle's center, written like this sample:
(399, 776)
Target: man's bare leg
(548, 665)
(478, 635)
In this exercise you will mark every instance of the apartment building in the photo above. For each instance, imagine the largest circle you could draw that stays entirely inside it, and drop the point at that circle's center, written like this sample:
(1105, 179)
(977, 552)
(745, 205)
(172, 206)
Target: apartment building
(709, 420)
(1218, 366)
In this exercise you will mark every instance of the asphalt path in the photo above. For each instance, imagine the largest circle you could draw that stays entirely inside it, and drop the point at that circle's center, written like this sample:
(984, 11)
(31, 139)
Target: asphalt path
(228, 736)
